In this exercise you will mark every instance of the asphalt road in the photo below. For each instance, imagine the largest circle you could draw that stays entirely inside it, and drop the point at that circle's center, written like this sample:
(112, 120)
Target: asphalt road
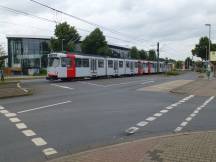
(68, 117)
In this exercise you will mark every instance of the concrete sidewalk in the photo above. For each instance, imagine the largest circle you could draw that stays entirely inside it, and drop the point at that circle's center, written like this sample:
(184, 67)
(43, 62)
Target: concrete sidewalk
(199, 87)
(191, 147)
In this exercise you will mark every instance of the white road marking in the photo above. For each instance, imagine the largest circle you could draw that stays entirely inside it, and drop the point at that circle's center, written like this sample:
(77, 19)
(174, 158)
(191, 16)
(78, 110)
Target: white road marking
(98, 85)
(169, 108)
(178, 129)
(157, 114)
(49, 151)
(183, 124)
(142, 123)
(60, 86)
(2, 108)
(43, 107)
(196, 112)
(164, 111)
(19, 86)
(191, 116)
(132, 130)
(10, 115)
(124, 83)
(21, 126)
(188, 119)
(39, 141)
(4, 111)
(148, 82)
(151, 118)
(29, 133)
(15, 120)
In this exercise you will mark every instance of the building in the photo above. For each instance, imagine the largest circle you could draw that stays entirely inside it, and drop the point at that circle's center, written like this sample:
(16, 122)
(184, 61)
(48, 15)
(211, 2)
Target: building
(28, 54)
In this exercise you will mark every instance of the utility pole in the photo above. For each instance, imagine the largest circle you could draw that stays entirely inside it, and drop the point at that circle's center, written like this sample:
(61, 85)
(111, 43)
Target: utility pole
(158, 55)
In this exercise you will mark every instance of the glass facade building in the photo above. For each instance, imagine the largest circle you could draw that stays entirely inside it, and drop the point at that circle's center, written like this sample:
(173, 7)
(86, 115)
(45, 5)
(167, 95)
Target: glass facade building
(28, 52)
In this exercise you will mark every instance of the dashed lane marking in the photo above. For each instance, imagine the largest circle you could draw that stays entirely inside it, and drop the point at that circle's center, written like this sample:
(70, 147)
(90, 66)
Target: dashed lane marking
(194, 114)
(4, 111)
(21, 126)
(2, 108)
(158, 114)
(150, 119)
(39, 141)
(15, 120)
(43, 107)
(29, 133)
(123, 83)
(164, 111)
(49, 151)
(64, 87)
(142, 124)
(10, 115)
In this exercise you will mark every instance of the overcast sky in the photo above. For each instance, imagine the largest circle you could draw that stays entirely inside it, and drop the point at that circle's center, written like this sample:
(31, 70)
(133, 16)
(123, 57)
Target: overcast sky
(177, 24)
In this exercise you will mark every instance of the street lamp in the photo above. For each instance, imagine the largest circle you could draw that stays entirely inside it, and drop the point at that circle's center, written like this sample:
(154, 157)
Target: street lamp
(63, 45)
(209, 25)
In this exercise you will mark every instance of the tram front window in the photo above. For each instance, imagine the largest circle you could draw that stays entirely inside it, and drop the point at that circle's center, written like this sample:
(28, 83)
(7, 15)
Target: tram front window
(54, 61)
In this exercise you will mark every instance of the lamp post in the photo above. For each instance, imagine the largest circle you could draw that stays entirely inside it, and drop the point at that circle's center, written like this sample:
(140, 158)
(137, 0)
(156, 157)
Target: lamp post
(209, 26)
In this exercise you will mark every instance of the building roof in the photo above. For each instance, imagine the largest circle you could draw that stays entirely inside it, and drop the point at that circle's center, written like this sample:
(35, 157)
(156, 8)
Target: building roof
(29, 36)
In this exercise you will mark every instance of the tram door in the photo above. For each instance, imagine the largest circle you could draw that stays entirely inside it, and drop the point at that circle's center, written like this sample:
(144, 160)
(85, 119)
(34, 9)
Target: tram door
(132, 67)
(116, 68)
(94, 67)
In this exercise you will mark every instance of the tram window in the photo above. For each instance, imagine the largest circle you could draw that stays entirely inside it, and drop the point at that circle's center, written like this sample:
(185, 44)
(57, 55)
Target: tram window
(85, 62)
(78, 62)
(101, 63)
(136, 65)
(66, 62)
(54, 61)
(110, 63)
(120, 64)
(127, 64)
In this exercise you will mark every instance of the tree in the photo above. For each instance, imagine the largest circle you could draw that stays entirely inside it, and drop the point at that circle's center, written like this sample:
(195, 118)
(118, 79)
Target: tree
(2, 57)
(134, 53)
(143, 55)
(202, 48)
(152, 55)
(179, 64)
(95, 43)
(67, 36)
(188, 63)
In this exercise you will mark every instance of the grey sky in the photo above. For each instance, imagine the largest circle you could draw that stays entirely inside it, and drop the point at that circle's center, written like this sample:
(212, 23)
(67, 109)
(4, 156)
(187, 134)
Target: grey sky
(177, 24)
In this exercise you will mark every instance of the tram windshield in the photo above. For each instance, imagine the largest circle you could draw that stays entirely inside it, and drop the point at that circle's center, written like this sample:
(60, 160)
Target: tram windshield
(54, 61)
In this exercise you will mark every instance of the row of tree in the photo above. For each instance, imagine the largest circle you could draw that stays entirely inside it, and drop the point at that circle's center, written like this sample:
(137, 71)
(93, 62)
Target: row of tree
(66, 38)
(202, 48)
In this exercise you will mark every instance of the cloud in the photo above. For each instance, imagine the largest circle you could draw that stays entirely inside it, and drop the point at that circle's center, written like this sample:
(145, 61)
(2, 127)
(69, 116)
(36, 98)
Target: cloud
(178, 23)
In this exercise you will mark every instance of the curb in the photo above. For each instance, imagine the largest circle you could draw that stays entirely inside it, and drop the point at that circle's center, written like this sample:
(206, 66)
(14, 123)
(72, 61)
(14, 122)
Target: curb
(132, 141)
(27, 92)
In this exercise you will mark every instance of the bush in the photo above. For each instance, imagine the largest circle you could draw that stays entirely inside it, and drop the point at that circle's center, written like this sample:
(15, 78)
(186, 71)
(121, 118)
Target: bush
(43, 72)
(172, 73)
